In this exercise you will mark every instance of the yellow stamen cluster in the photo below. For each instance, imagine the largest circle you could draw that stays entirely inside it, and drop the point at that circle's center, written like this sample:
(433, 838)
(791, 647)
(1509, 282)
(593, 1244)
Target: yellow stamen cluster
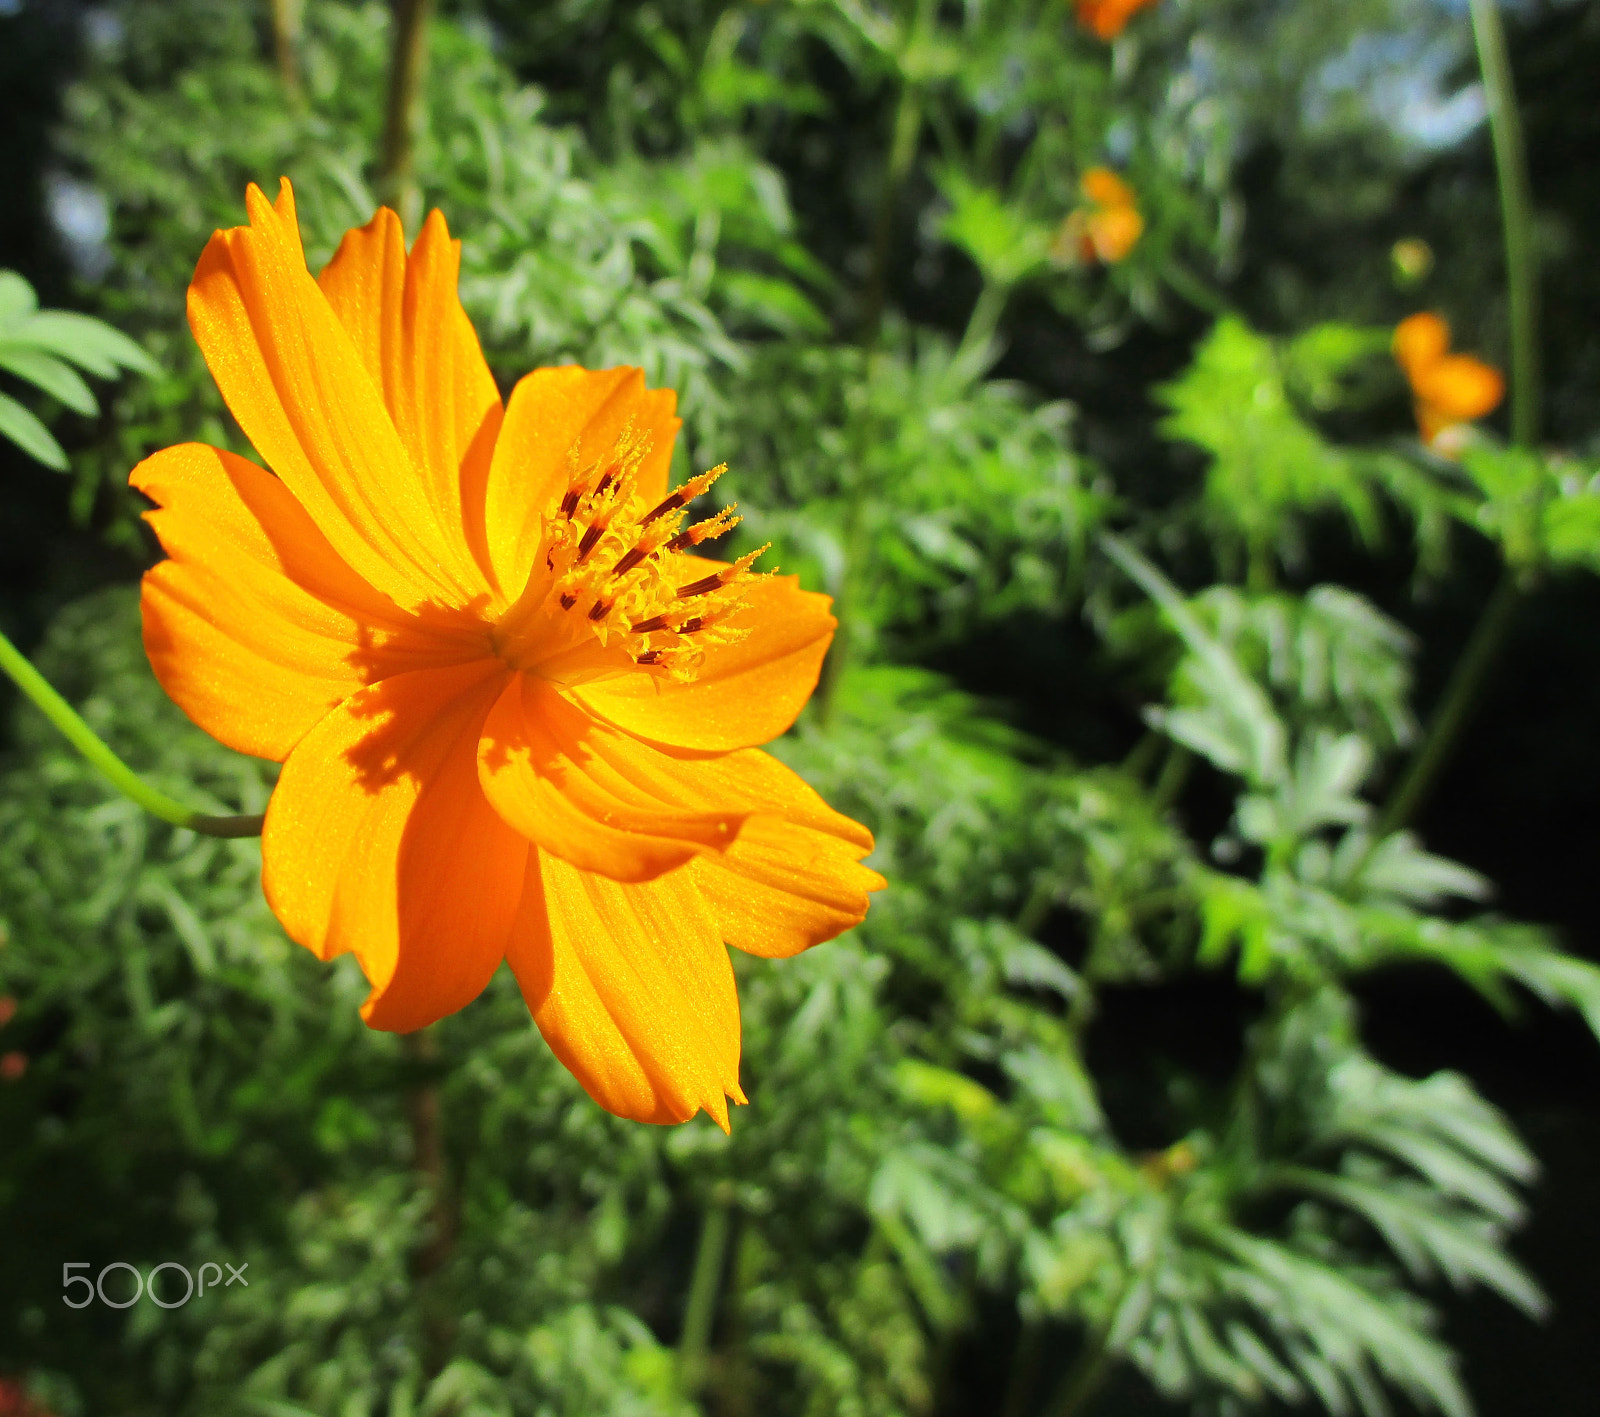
(617, 568)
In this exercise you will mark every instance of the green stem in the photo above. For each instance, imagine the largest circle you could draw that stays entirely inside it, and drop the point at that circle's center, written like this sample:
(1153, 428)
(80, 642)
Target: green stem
(981, 324)
(286, 18)
(700, 1313)
(1516, 214)
(1024, 1369)
(1194, 289)
(902, 153)
(425, 1113)
(1522, 293)
(1083, 1380)
(408, 58)
(1174, 776)
(1450, 718)
(118, 773)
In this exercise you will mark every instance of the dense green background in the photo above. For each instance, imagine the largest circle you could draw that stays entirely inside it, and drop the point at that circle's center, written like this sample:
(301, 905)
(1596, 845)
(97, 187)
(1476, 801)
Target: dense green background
(1142, 1054)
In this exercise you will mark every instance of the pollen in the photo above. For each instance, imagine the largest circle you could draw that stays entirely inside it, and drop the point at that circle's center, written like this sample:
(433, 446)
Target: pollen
(629, 562)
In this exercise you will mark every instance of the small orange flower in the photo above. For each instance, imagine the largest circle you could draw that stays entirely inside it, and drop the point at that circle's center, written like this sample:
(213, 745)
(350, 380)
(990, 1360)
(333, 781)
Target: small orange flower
(517, 714)
(1108, 18)
(8, 1009)
(1107, 229)
(12, 1065)
(1451, 390)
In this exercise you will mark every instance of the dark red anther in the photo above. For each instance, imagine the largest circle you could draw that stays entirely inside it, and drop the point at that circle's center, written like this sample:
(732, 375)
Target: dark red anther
(568, 601)
(628, 562)
(600, 609)
(610, 477)
(699, 587)
(676, 500)
(591, 536)
(644, 627)
(650, 656)
(569, 503)
(690, 626)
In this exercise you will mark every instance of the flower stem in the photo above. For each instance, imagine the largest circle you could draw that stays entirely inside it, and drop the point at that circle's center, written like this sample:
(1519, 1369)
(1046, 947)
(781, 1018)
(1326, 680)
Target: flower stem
(1455, 708)
(425, 1114)
(1083, 1380)
(408, 58)
(1461, 695)
(118, 773)
(704, 1285)
(981, 326)
(286, 17)
(1516, 215)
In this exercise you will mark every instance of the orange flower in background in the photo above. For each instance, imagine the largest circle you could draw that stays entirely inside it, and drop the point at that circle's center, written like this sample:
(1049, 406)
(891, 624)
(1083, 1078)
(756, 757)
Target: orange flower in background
(1107, 229)
(1108, 18)
(15, 1402)
(12, 1065)
(1451, 390)
(518, 714)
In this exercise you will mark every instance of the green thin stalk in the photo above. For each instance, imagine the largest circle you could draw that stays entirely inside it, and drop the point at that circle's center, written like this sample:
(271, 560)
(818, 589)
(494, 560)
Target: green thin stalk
(1083, 1380)
(1455, 709)
(1516, 216)
(1025, 1365)
(108, 764)
(705, 1285)
(903, 144)
(1465, 688)
(981, 323)
(408, 59)
(286, 27)
(425, 1115)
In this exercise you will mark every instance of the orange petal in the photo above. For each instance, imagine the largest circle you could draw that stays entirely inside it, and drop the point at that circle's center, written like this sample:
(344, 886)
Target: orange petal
(594, 796)
(1103, 187)
(1459, 388)
(632, 989)
(790, 880)
(746, 693)
(1420, 340)
(1114, 232)
(421, 352)
(379, 841)
(255, 627)
(559, 421)
(780, 889)
(293, 377)
(1108, 18)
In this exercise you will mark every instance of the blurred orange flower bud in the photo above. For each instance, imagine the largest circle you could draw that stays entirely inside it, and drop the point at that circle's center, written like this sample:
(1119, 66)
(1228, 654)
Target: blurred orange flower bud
(1420, 340)
(1108, 18)
(1106, 230)
(1114, 232)
(1105, 189)
(8, 1009)
(1450, 389)
(12, 1066)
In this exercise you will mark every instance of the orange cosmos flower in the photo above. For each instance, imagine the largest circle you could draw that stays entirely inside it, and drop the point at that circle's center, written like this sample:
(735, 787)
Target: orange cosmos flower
(1451, 390)
(1108, 18)
(1107, 229)
(517, 714)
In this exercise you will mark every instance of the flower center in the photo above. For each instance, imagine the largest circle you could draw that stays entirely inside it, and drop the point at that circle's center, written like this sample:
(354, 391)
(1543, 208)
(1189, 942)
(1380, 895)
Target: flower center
(613, 586)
